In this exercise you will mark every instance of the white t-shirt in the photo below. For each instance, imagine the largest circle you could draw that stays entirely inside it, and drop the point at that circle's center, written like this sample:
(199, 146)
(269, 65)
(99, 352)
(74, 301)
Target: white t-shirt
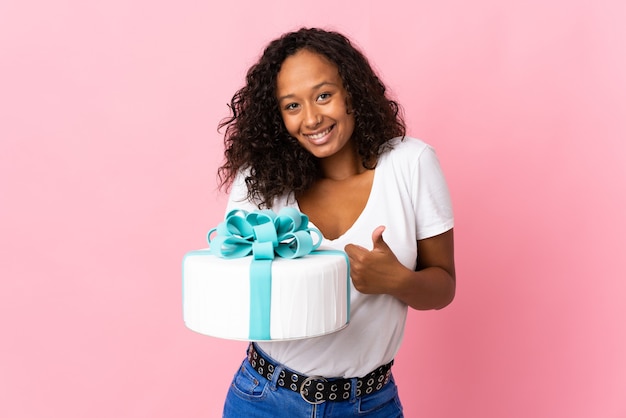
(410, 197)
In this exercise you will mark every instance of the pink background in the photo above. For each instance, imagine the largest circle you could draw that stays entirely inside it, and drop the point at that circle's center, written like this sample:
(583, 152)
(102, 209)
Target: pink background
(108, 152)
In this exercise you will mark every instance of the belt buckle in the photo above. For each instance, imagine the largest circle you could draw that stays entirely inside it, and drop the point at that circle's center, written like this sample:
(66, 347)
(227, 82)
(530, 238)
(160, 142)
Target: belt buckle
(304, 391)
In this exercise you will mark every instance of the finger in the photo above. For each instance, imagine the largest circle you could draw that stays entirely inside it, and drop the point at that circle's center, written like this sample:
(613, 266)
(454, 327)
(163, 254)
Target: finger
(353, 249)
(377, 238)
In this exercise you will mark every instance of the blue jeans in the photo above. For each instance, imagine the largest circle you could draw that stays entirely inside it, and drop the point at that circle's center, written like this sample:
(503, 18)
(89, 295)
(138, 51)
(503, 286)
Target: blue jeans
(253, 396)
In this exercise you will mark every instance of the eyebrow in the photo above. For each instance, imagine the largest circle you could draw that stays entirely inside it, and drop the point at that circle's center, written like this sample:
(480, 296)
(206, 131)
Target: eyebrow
(315, 87)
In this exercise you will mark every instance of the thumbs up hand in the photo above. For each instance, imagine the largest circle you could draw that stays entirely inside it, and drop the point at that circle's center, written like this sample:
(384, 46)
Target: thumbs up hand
(376, 271)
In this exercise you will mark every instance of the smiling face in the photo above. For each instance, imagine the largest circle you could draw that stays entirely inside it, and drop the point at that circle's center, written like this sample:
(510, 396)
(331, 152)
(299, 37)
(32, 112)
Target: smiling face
(313, 105)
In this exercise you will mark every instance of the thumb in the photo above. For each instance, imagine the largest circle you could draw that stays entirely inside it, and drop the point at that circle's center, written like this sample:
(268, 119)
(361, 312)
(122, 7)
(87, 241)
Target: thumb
(377, 238)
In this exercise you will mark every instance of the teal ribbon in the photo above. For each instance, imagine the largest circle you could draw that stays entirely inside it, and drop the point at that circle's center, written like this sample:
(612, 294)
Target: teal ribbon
(264, 234)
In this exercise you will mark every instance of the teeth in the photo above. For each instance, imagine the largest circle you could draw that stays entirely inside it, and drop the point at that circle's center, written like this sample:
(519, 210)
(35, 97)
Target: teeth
(320, 134)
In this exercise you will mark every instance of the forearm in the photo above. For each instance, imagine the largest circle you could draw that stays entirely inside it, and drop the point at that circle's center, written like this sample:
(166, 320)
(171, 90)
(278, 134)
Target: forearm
(430, 288)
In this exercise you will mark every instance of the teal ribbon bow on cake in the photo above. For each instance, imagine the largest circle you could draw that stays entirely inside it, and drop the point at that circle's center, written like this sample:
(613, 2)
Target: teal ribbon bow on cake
(264, 234)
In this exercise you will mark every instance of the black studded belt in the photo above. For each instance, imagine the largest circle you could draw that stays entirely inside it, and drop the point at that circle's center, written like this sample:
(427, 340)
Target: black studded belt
(317, 389)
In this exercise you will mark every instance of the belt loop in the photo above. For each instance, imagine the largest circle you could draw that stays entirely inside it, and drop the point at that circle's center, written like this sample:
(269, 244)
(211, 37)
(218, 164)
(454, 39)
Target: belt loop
(273, 370)
(353, 388)
(276, 375)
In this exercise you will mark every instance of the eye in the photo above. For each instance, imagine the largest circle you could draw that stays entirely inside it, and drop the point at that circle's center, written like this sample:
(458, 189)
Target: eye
(322, 97)
(291, 106)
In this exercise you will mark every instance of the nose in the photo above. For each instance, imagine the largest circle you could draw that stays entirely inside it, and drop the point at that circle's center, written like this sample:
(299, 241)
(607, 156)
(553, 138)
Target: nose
(312, 117)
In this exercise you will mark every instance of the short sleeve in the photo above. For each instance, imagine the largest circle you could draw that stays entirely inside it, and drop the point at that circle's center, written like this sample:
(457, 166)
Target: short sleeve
(431, 197)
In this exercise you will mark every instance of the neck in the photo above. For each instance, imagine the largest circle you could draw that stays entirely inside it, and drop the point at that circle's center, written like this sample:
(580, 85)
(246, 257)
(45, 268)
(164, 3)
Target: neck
(339, 173)
(342, 166)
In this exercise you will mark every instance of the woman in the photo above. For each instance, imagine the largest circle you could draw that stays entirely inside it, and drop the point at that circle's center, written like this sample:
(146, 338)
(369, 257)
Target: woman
(314, 129)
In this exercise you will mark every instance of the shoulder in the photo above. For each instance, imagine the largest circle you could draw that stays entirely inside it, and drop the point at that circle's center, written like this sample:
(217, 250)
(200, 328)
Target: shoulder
(413, 162)
(407, 149)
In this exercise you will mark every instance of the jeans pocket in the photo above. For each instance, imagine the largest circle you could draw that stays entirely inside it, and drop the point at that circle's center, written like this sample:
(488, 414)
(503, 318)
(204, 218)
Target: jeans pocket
(248, 384)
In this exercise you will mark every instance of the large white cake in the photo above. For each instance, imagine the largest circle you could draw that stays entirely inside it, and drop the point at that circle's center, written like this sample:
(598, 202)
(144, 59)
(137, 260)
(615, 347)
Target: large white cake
(309, 295)
(265, 278)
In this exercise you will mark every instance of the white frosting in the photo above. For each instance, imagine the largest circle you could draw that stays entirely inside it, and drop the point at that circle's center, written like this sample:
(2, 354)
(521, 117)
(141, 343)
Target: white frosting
(309, 295)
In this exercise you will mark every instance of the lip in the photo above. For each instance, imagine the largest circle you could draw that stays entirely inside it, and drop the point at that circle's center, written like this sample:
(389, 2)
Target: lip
(319, 137)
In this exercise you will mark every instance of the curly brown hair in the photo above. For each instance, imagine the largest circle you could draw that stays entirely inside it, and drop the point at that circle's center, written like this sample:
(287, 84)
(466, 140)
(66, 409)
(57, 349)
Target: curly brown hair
(256, 138)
